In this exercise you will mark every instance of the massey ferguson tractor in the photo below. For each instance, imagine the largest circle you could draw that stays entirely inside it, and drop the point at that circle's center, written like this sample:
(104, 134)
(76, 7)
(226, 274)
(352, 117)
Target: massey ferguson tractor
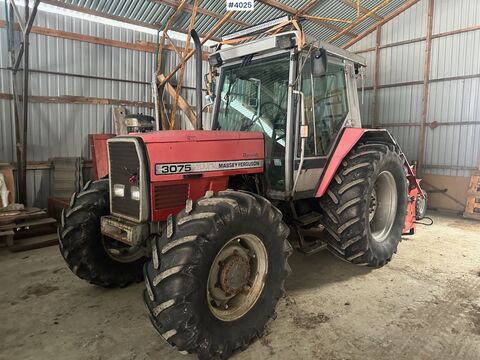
(209, 217)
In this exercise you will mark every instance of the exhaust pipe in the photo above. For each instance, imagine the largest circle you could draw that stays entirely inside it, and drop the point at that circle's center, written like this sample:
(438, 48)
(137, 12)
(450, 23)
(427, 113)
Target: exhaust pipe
(198, 73)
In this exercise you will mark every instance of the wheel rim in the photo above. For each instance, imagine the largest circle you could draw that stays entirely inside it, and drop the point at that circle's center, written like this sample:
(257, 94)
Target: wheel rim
(237, 277)
(420, 205)
(121, 252)
(383, 206)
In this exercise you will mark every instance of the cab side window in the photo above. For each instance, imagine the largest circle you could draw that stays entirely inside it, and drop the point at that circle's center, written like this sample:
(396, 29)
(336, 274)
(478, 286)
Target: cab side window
(325, 107)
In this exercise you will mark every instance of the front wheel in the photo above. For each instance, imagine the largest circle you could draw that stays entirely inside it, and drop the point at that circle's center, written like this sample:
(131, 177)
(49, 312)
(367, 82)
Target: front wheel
(90, 255)
(217, 273)
(365, 205)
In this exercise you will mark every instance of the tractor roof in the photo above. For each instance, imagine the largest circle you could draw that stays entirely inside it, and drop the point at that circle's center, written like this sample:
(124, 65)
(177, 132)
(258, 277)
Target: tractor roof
(256, 40)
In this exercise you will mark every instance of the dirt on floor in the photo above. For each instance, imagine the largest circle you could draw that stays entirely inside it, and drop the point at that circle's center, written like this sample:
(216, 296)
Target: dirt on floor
(425, 304)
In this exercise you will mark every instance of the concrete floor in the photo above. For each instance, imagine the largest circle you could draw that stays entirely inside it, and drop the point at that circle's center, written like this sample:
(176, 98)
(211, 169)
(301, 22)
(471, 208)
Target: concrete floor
(424, 305)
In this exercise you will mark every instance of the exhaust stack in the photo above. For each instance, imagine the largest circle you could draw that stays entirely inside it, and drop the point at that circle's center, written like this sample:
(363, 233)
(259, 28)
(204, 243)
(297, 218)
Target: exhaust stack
(198, 74)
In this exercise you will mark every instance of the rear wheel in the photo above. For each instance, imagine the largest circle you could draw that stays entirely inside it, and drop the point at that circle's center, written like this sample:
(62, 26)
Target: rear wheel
(89, 254)
(365, 205)
(217, 273)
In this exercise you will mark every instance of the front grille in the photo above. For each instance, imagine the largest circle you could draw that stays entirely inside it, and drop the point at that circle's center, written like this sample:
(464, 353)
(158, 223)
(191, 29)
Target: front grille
(170, 196)
(124, 163)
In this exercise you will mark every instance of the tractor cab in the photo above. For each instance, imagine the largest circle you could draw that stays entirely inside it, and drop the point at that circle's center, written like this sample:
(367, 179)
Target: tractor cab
(300, 93)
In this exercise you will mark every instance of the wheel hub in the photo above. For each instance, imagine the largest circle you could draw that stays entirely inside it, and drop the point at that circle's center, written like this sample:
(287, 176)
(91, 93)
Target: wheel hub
(237, 277)
(234, 274)
(383, 206)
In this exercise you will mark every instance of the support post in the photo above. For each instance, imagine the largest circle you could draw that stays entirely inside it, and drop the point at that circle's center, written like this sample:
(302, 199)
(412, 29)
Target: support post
(376, 80)
(21, 127)
(22, 180)
(426, 80)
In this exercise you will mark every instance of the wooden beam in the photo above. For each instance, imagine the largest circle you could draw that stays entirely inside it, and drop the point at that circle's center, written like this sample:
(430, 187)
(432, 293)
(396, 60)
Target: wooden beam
(203, 11)
(387, 18)
(165, 30)
(211, 33)
(426, 79)
(455, 32)
(173, 113)
(182, 103)
(313, 17)
(359, 21)
(363, 10)
(292, 11)
(68, 99)
(89, 11)
(138, 46)
(422, 38)
(306, 7)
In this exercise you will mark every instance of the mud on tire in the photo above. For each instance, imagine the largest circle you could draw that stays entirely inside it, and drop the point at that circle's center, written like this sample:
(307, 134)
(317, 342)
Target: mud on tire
(350, 198)
(81, 241)
(178, 273)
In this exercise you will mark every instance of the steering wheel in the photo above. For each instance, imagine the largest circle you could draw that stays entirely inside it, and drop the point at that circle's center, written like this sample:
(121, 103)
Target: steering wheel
(275, 113)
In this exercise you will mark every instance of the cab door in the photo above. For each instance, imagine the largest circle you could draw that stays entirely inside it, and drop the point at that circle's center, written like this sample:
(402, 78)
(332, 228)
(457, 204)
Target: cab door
(326, 105)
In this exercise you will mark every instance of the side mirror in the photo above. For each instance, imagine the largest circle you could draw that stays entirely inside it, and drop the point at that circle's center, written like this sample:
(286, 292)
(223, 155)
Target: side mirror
(318, 61)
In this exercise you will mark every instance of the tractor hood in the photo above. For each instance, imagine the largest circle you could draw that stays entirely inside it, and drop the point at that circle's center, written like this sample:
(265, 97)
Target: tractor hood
(175, 136)
(170, 167)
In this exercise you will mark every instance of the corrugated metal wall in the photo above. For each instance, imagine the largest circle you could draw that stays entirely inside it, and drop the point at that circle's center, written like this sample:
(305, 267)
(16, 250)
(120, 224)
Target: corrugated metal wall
(452, 148)
(62, 129)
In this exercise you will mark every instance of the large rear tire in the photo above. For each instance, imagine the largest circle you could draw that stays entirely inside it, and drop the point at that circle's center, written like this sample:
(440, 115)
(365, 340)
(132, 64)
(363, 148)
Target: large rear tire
(90, 255)
(365, 205)
(217, 273)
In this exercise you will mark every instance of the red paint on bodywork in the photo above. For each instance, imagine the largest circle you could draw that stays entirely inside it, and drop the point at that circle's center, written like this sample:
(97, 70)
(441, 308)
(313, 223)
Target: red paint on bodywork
(196, 189)
(414, 190)
(98, 148)
(177, 147)
(348, 140)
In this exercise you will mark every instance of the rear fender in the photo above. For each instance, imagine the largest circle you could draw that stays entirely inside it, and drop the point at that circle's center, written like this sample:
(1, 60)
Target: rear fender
(349, 138)
(352, 136)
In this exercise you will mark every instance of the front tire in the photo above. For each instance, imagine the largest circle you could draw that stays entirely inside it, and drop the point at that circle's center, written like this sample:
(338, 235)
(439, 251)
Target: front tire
(365, 205)
(200, 273)
(87, 252)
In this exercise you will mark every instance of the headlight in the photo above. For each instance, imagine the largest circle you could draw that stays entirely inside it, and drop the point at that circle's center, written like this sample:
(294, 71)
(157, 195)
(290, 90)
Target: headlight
(119, 190)
(135, 192)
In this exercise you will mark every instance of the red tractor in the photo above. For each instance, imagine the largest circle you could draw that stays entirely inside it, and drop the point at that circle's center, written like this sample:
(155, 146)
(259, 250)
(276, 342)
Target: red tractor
(207, 217)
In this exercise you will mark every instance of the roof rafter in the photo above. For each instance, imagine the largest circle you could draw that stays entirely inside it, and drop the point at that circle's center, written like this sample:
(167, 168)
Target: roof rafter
(292, 11)
(306, 7)
(363, 10)
(386, 19)
(203, 11)
(105, 15)
(358, 21)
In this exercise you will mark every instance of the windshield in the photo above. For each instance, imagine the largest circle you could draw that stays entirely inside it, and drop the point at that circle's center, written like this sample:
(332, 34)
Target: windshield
(254, 98)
